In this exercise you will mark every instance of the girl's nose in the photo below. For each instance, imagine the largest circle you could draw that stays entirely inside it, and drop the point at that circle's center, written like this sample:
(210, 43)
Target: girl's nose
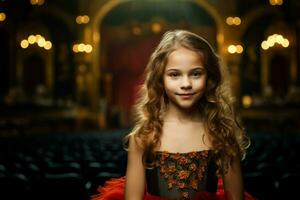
(186, 83)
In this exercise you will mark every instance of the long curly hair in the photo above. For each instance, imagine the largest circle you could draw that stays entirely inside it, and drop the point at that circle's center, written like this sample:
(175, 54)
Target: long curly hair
(227, 136)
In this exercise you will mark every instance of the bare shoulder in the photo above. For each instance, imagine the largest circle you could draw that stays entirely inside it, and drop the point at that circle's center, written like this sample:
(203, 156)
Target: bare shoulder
(135, 143)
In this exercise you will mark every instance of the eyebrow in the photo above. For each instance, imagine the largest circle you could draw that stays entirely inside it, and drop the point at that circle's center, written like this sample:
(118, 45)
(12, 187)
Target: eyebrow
(176, 69)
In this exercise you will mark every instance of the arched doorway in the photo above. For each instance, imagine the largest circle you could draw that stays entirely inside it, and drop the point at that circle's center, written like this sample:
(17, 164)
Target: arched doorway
(34, 74)
(251, 61)
(127, 43)
(279, 75)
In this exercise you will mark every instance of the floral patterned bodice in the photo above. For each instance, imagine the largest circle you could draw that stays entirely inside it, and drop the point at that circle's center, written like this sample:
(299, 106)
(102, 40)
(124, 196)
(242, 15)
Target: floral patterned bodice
(182, 175)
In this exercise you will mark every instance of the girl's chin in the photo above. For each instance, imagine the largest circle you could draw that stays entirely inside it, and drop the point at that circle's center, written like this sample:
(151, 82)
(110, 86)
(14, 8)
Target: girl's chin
(185, 105)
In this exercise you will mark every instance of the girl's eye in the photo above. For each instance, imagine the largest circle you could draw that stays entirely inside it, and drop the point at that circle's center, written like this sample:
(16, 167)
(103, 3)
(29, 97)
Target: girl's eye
(174, 75)
(196, 74)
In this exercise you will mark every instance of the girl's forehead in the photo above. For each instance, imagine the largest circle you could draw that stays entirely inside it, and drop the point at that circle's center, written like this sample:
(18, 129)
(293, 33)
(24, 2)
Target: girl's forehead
(183, 52)
(183, 57)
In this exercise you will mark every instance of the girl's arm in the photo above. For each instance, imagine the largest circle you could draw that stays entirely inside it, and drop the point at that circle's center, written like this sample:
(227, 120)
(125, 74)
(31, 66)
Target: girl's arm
(135, 173)
(233, 183)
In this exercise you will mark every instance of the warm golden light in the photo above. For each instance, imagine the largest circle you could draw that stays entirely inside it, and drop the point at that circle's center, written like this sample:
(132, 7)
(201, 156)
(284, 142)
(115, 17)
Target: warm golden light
(279, 39)
(2, 16)
(264, 45)
(81, 47)
(31, 39)
(156, 27)
(75, 48)
(231, 49)
(229, 20)
(37, 2)
(271, 42)
(233, 21)
(24, 44)
(41, 42)
(276, 2)
(48, 45)
(34, 2)
(239, 49)
(237, 21)
(88, 48)
(37, 37)
(247, 101)
(274, 39)
(85, 19)
(82, 19)
(285, 43)
(78, 19)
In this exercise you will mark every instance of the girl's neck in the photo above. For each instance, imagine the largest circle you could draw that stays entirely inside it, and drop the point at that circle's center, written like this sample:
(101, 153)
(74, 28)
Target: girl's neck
(178, 115)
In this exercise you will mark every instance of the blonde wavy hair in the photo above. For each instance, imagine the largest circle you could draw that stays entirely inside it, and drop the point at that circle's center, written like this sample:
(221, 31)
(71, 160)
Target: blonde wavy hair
(227, 136)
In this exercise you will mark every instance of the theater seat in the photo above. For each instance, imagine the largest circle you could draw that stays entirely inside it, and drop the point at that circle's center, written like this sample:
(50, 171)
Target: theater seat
(99, 179)
(289, 186)
(260, 185)
(14, 187)
(61, 186)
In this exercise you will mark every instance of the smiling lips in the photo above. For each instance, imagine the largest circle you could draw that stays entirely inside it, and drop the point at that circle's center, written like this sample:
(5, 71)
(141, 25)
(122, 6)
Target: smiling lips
(186, 96)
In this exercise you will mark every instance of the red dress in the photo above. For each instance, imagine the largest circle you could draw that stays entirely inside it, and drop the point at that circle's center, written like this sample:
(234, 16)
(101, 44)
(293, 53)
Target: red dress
(175, 176)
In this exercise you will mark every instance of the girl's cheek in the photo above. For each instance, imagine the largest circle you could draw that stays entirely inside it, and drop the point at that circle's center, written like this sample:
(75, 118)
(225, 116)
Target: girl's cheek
(201, 81)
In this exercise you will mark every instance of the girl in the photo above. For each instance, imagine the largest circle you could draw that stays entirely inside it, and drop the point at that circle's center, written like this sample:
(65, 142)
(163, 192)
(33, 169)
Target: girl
(187, 143)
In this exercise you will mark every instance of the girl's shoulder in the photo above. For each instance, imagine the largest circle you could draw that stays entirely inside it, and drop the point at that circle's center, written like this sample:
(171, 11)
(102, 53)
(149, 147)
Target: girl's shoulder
(138, 140)
(134, 142)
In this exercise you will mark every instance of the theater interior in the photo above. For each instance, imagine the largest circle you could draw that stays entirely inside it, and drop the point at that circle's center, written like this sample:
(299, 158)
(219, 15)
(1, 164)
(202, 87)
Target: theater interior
(70, 71)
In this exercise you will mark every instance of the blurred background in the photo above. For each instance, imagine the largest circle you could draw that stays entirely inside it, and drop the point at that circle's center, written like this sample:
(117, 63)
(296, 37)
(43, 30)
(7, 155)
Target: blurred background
(70, 70)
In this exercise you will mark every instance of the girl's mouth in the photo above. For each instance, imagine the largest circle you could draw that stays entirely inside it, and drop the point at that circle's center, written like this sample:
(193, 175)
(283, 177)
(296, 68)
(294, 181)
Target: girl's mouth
(186, 95)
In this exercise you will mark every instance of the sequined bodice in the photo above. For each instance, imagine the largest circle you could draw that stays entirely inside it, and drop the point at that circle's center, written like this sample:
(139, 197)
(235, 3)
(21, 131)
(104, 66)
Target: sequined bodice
(182, 175)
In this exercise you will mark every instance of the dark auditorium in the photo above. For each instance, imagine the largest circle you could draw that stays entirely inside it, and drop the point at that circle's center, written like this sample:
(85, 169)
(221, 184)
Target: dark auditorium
(71, 72)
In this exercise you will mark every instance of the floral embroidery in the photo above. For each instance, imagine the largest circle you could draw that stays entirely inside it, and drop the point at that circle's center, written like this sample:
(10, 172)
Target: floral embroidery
(182, 170)
(185, 194)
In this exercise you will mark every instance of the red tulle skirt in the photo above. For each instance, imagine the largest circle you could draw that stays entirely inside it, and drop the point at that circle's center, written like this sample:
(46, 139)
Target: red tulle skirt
(114, 190)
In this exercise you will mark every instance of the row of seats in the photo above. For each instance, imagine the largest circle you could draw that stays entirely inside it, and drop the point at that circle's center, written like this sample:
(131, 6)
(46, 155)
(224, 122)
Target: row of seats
(272, 166)
(73, 165)
(61, 165)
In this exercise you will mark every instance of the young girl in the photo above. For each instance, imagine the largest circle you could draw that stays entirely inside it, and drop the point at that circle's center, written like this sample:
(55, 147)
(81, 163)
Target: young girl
(186, 143)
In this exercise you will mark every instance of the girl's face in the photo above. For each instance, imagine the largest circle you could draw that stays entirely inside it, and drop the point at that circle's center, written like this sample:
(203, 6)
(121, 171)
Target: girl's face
(184, 78)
